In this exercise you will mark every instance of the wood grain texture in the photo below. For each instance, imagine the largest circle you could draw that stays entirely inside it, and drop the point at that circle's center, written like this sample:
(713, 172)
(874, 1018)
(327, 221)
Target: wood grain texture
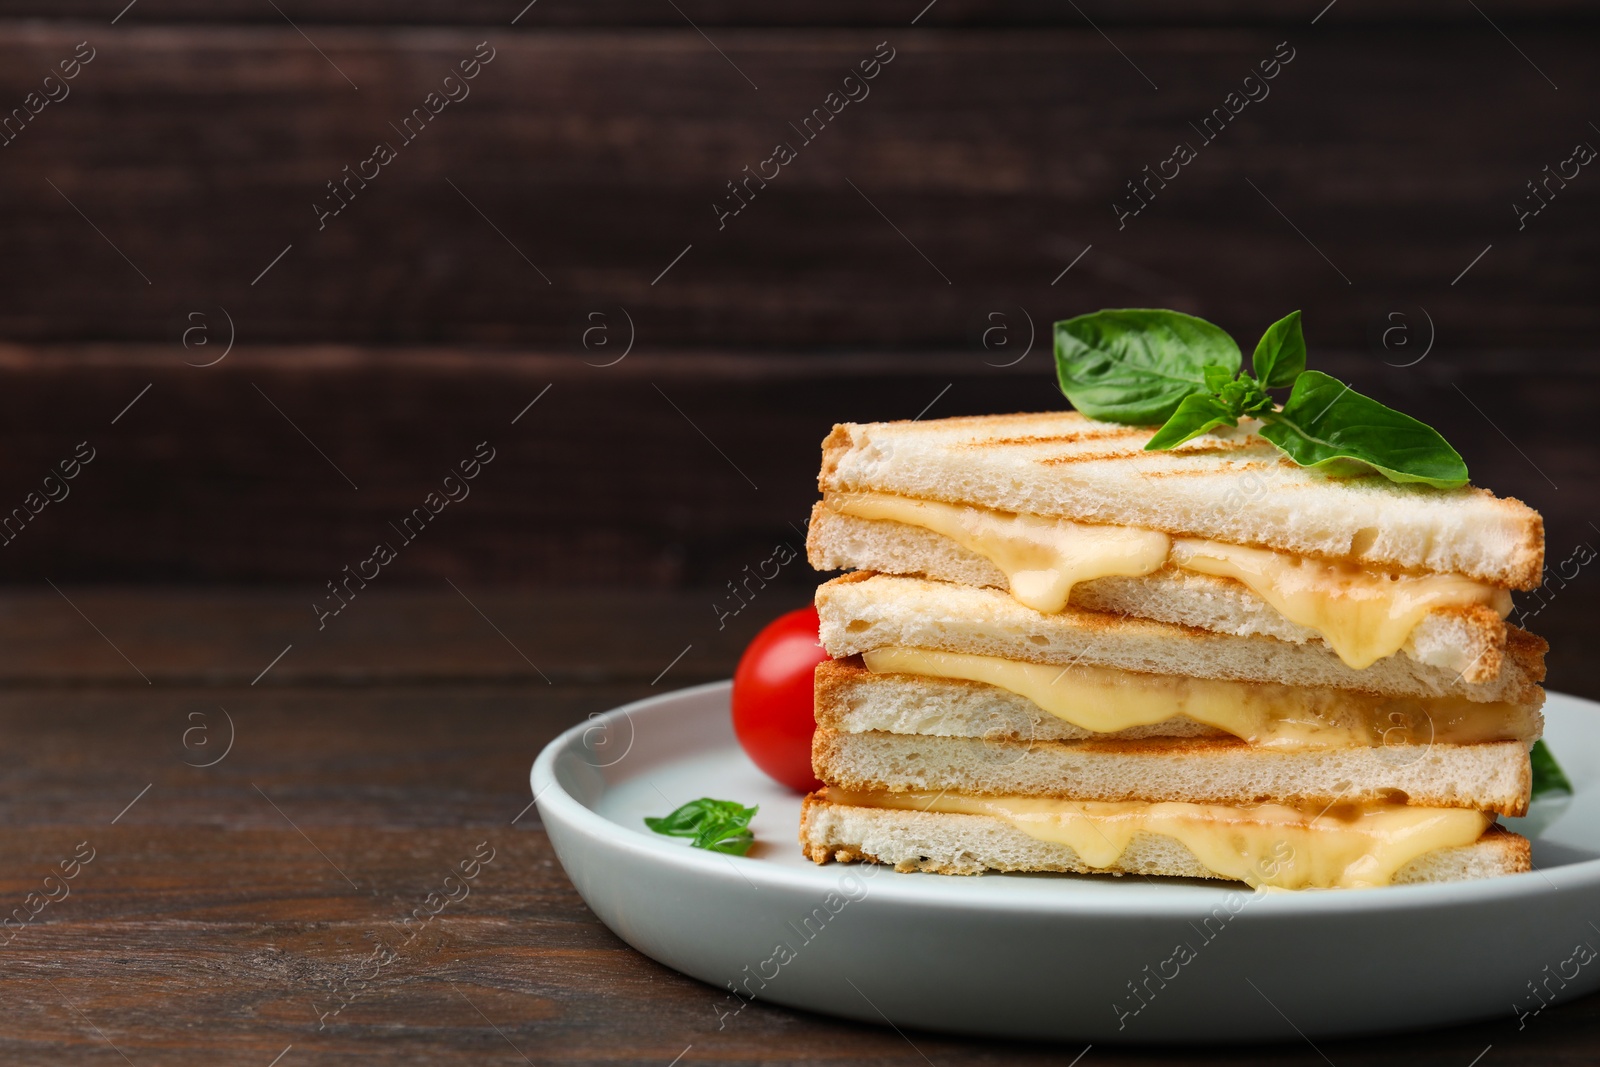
(989, 158)
(665, 469)
(943, 14)
(578, 180)
(209, 929)
(374, 752)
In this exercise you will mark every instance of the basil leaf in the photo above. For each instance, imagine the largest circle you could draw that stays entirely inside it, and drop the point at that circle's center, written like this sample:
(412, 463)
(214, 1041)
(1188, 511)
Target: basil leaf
(1216, 378)
(1135, 365)
(686, 820)
(1196, 415)
(725, 837)
(717, 825)
(1548, 778)
(1280, 355)
(1327, 425)
(1244, 396)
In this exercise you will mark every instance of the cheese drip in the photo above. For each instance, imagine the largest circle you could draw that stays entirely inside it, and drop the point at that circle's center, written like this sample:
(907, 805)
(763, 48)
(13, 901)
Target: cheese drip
(1042, 558)
(1364, 615)
(1345, 847)
(1107, 699)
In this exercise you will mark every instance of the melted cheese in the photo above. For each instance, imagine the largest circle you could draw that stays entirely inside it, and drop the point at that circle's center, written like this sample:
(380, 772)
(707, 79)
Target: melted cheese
(1106, 699)
(1042, 558)
(1364, 615)
(1261, 844)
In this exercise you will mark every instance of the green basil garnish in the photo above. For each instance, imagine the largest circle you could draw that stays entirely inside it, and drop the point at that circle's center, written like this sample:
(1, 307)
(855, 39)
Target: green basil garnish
(1136, 365)
(717, 825)
(1548, 778)
(1328, 425)
(1144, 366)
(1281, 353)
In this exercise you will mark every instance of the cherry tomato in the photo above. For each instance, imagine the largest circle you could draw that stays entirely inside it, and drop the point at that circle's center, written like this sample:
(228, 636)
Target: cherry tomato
(773, 713)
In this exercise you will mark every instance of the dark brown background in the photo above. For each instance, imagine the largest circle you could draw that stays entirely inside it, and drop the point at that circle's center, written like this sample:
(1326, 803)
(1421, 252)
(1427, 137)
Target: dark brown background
(597, 141)
(378, 352)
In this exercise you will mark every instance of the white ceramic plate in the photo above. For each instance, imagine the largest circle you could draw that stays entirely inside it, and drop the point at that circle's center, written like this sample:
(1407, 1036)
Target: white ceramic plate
(1054, 956)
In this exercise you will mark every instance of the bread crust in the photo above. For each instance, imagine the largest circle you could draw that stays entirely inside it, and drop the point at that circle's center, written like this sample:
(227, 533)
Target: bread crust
(838, 685)
(1064, 465)
(849, 698)
(944, 843)
(1469, 640)
(1496, 776)
(862, 611)
(907, 733)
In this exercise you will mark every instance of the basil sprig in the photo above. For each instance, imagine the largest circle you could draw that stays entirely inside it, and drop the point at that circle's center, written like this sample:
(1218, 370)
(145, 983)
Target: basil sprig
(717, 825)
(1145, 366)
(1136, 365)
(1548, 778)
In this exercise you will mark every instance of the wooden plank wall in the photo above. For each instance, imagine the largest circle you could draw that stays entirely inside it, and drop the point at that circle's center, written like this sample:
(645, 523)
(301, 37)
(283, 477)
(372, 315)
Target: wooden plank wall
(170, 197)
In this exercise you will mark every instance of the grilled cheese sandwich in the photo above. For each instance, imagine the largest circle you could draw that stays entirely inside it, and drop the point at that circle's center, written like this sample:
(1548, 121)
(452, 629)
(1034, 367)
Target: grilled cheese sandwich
(1061, 652)
(1365, 590)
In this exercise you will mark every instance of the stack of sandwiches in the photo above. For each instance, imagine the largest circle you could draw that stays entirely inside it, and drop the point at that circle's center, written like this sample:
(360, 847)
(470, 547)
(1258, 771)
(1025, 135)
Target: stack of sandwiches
(1056, 651)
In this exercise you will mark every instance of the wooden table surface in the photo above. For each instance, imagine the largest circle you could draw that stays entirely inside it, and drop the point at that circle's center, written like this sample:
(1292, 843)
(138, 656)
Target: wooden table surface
(224, 903)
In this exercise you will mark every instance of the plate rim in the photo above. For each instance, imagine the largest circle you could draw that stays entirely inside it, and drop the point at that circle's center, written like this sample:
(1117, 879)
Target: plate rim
(555, 803)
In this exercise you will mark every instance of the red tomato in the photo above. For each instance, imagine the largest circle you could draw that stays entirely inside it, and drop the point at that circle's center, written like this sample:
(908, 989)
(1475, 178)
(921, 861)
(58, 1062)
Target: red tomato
(773, 713)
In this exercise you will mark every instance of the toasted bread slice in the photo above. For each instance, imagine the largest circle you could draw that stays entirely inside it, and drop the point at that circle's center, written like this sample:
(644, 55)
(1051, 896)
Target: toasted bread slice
(1228, 486)
(864, 611)
(1469, 641)
(852, 699)
(1488, 777)
(944, 843)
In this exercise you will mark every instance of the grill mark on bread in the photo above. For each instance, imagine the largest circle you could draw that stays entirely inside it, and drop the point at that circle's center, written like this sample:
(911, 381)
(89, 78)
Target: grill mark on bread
(1114, 433)
(1091, 457)
(1169, 461)
(1510, 554)
(1208, 445)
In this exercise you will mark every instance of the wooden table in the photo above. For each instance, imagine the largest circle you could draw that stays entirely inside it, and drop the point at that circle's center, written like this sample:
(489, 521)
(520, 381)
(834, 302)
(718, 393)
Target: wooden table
(224, 903)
